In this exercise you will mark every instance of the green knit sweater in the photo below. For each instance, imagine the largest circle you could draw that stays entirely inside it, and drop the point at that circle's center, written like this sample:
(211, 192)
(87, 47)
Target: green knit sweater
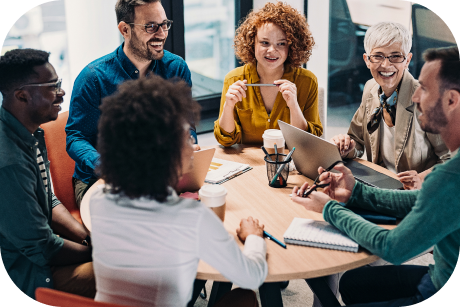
(430, 217)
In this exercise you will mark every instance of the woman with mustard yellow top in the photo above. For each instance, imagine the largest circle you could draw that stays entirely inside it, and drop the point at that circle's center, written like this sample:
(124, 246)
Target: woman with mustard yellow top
(273, 43)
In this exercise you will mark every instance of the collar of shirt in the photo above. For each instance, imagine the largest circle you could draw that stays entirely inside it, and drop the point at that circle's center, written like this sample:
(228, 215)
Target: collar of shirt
(22, 133)
(128, 66)
(454, 153)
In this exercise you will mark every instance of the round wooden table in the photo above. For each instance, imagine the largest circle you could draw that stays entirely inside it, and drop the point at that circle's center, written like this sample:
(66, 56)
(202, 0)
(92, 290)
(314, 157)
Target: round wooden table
(250, 195)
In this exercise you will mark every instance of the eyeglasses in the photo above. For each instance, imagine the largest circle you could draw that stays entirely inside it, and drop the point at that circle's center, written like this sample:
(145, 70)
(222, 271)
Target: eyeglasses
(56, 85)
(153, 27)
(378, 58)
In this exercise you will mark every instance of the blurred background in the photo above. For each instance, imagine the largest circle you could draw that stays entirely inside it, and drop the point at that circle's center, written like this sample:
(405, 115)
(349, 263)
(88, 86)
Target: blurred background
(78, 32)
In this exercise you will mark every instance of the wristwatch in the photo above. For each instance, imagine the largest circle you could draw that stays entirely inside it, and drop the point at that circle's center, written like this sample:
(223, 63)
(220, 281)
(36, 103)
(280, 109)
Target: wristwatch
(86, 241)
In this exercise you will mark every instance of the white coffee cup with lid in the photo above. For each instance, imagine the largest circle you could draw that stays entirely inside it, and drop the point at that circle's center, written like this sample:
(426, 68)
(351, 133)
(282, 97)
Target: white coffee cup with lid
(272, 137)
(213, 196)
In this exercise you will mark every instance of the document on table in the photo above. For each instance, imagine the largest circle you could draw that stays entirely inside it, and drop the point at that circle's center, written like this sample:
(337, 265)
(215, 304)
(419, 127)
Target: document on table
(221, 170)
(318, 234)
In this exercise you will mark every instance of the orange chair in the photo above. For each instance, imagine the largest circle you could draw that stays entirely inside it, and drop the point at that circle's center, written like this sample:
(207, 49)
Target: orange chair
(62, 166)
(62, 299)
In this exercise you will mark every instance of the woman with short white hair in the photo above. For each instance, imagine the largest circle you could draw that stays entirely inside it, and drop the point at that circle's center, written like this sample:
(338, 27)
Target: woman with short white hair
(385, 124)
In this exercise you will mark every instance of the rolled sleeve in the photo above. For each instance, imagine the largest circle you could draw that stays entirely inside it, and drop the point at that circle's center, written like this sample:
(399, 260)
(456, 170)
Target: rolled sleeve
(24, 221)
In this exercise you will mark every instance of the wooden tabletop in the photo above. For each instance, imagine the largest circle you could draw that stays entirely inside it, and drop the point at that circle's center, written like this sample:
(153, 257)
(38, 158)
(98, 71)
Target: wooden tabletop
(250, 195)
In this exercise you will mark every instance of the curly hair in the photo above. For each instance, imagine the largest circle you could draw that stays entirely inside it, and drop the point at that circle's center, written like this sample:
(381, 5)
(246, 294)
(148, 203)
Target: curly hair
(141, 136)
(291, 21)
(17, 67)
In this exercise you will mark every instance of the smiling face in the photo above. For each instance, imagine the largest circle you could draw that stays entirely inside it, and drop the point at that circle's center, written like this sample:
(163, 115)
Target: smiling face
(145, 46)
(43, 102)
(428, 99)
(271, 47)
(387, 74)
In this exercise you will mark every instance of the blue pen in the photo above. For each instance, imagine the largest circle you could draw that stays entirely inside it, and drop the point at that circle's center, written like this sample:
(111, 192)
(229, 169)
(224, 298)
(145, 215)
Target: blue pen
(269, 236)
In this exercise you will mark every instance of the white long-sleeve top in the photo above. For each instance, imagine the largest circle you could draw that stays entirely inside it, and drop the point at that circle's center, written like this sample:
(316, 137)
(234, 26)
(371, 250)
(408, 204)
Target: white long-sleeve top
(146, 253)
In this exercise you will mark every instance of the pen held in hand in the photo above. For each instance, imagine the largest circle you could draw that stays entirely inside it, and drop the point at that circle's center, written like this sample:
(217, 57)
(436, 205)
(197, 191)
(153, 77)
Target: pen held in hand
(259, 84)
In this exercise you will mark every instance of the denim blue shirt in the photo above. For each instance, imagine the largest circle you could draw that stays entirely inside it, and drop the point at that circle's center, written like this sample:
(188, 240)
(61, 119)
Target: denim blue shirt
(97, 80)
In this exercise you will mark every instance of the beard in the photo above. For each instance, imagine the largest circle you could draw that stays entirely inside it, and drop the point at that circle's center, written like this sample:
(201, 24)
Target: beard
(142, 52)
(435, 118)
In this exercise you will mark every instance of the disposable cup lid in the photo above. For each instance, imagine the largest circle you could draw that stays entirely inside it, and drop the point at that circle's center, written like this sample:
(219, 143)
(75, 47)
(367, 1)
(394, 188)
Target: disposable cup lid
(273, 134)
(213, 190)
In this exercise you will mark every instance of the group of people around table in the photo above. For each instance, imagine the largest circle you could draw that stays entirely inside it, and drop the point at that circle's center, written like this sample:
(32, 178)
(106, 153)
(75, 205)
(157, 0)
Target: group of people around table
(131, 123)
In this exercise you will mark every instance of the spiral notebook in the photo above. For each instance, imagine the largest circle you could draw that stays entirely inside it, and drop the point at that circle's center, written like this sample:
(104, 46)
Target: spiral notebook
(318, 234)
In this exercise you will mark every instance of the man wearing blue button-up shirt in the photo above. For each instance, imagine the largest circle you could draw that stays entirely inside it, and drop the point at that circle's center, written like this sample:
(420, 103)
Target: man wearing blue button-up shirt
(144, 27)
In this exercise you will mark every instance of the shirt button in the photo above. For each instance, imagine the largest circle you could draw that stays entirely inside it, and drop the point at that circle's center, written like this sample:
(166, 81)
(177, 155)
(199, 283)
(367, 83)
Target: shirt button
(136, 71)
(36, 143)
(269, 120)
(47, 280)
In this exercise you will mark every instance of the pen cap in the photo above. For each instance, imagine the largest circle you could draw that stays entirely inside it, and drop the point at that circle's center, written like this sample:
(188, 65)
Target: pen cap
(272, 137)
(213, 195)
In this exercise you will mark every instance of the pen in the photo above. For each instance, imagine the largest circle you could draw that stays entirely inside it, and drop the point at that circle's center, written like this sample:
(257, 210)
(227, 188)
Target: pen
(266, 153)
(282, 166)
(257, 84)
(315, 183)
(276, 151)
(269, 236)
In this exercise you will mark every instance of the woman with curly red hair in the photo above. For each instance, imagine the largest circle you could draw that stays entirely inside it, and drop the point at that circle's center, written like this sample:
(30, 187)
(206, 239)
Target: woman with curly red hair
(272, 43)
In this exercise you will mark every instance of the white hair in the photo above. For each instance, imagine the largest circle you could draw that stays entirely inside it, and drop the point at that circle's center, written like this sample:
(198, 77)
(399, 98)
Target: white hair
(385, 34)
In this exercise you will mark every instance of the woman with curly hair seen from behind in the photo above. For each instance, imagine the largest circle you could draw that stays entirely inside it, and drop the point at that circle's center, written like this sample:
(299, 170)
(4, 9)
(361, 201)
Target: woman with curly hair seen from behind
(272, 43)
(147, 241)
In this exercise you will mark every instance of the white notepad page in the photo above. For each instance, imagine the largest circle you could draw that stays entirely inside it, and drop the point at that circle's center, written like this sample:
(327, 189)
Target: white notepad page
(318, 234)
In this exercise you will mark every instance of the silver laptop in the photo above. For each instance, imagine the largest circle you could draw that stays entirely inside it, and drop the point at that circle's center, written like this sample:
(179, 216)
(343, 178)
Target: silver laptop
(193, 180)
(312, 152)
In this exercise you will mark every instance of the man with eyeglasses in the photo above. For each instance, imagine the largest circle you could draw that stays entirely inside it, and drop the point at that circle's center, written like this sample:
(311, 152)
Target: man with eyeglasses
(430, 216)
(145, 27)
(386, 125)
(41, 244)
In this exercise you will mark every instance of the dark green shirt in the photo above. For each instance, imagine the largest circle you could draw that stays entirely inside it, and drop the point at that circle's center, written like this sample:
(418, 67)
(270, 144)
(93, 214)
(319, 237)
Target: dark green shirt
(431, 217)
(26, 240)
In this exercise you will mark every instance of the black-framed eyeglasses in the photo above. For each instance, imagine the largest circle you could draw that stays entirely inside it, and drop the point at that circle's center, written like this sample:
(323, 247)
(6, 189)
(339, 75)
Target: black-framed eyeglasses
(56, 85)
(153, 27)
(378, 58)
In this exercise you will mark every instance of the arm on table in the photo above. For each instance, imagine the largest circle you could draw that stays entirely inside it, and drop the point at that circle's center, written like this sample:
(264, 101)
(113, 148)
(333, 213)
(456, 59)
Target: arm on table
(217, 247)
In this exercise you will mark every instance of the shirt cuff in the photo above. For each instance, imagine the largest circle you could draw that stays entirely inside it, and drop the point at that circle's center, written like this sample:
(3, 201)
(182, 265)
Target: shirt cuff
(255, 244)
(225, 133)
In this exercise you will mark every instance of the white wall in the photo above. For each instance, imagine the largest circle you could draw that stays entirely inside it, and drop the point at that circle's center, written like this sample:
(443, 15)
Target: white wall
(318, 20)
(91, 32)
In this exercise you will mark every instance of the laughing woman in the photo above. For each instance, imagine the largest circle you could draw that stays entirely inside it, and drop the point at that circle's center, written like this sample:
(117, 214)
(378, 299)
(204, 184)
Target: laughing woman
(386, 125)
(272, 43)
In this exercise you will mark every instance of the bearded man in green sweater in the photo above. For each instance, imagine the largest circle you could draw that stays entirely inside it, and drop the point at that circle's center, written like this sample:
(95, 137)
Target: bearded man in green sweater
(430, 216)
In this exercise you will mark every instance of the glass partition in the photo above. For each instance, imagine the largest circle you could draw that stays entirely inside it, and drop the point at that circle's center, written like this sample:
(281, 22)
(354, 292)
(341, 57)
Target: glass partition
(349, 20)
